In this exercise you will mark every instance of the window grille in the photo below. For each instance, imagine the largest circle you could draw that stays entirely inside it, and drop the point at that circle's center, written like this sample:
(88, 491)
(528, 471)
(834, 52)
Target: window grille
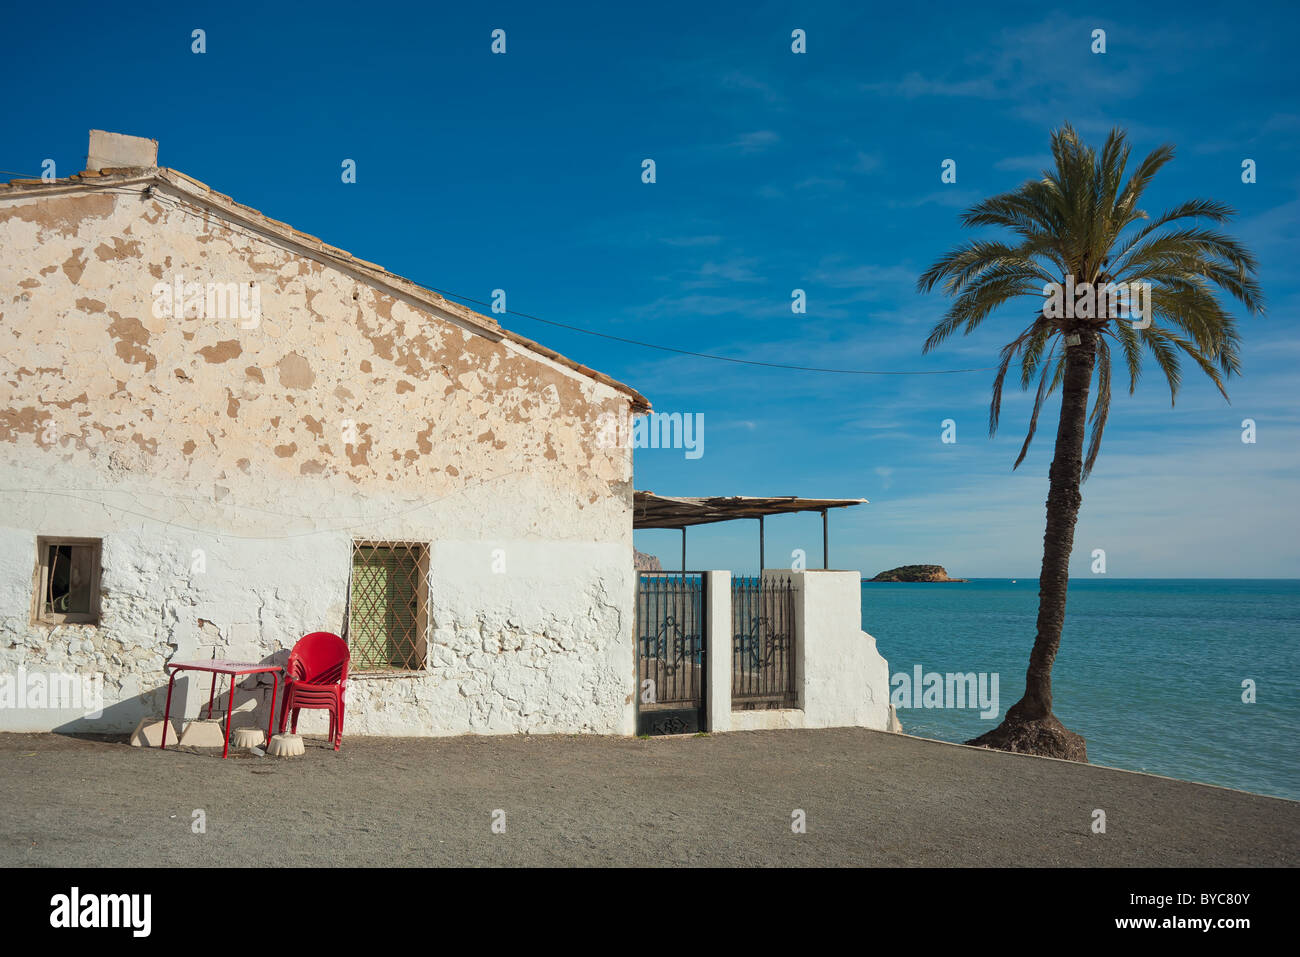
(388, 611)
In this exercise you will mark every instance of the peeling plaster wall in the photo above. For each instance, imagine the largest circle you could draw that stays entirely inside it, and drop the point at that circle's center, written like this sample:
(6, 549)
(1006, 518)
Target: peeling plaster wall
(212, 460)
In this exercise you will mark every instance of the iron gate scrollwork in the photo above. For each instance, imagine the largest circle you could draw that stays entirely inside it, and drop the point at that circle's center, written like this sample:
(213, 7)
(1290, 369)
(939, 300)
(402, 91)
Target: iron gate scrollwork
(762, 651)
(671, 658)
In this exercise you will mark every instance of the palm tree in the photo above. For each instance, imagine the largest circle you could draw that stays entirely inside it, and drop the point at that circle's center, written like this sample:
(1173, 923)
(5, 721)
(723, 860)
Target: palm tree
(1073, 226)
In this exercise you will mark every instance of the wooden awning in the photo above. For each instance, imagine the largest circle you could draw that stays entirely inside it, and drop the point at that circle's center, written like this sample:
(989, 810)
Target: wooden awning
(662, 511)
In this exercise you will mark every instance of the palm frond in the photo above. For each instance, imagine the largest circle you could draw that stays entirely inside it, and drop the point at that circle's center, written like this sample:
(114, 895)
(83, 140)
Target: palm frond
(1100, 406)
(1081, 221)
(1031, 339)
(1033, 353)
(1209, 209)
(979, 299)
(1142, 176)
(1033, 419)
(1128, 340)
(1165, 352)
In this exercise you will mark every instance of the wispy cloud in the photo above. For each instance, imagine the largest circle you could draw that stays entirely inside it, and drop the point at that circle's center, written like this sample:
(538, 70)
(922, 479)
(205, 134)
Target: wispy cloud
(739, 81)
(834, 271)
(864, 163)
(757, 141)
(738, 269)
(691, 242)
(830, 183)
(1028, 164)
(951, 197)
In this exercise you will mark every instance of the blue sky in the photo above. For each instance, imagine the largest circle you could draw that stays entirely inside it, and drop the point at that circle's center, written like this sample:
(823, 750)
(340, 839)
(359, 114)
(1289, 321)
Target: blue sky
(775, 171)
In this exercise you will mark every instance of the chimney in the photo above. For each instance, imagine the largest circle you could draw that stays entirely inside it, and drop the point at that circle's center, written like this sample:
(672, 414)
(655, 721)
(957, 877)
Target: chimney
(115, 150)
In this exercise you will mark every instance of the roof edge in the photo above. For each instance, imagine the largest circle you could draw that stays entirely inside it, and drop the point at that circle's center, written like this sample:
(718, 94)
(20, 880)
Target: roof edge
(312, 246)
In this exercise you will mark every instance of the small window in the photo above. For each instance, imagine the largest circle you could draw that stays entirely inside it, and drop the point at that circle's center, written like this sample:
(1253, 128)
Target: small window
(67, 580)
(388, 610)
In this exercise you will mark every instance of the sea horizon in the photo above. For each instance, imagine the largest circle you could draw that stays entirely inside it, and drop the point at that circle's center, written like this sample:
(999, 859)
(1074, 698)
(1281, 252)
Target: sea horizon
(1154, 673)
(1088, 578)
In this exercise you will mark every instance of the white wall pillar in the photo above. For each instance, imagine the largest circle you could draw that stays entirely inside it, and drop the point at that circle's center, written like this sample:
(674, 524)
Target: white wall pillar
(717, 618)
(843, 680)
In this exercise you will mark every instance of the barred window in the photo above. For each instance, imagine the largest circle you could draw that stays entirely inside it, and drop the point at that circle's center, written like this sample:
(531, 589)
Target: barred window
(388, 617)
(67, 580)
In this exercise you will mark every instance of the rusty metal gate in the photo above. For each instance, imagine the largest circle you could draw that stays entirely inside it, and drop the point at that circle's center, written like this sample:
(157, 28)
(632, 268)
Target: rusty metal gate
(671, 658)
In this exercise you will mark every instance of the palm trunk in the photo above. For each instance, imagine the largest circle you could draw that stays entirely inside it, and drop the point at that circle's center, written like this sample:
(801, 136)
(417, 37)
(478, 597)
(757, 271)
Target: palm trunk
(1029, 725)
(1063, 500)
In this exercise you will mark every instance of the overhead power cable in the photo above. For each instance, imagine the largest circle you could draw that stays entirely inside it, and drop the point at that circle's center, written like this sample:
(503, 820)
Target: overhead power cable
(703, 355)
(636, 342)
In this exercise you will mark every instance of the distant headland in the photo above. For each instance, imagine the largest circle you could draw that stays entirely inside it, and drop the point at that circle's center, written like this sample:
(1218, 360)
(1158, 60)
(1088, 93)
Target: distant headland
(916, 573)
(645, 563)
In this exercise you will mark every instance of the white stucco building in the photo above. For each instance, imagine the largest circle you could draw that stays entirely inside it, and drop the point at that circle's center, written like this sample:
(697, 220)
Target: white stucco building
(215, 479)
(218, 433)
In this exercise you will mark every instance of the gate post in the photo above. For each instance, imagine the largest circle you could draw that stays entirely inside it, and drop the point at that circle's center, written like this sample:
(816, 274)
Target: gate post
(717, 619)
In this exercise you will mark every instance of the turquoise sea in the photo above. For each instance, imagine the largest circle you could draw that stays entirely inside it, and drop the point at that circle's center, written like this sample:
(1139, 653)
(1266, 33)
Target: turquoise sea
(1150, 671)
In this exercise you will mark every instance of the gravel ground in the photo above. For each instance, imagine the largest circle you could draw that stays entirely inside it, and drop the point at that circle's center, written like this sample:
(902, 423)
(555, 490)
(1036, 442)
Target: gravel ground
(870, 798)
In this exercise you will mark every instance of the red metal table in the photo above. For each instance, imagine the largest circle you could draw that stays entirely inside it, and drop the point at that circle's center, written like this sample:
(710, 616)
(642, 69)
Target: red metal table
(219, 666)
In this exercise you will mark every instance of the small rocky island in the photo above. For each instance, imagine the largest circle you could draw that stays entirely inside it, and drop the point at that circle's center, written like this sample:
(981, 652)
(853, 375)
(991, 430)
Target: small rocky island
(916, 573)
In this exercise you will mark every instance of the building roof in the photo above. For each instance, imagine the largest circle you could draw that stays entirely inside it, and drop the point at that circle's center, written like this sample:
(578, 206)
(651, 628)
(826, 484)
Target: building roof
(138, 179)
(661, 511)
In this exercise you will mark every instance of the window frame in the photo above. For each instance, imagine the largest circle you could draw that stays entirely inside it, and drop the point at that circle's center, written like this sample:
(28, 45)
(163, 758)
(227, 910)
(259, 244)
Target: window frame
(41, 580)
(422, 550)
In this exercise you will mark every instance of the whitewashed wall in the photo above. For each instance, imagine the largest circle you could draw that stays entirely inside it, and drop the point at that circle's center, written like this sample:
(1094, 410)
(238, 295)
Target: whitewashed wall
(175, 437)
(842, 679)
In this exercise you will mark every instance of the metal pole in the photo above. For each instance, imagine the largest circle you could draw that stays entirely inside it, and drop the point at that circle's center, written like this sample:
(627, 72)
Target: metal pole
(683, 549)
(826, 551)
(760, 545)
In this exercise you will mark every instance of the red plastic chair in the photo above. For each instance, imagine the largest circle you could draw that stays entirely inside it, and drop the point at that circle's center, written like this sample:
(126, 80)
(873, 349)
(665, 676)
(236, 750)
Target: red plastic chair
(316, 676)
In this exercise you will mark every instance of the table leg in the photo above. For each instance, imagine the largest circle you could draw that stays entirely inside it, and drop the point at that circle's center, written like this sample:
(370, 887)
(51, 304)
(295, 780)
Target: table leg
(212, 691)
(167, 714)
(230, 712)
(275, 693)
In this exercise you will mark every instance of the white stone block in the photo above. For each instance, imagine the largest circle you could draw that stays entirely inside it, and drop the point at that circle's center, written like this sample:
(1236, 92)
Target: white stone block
(206, 733)
(148, 733)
